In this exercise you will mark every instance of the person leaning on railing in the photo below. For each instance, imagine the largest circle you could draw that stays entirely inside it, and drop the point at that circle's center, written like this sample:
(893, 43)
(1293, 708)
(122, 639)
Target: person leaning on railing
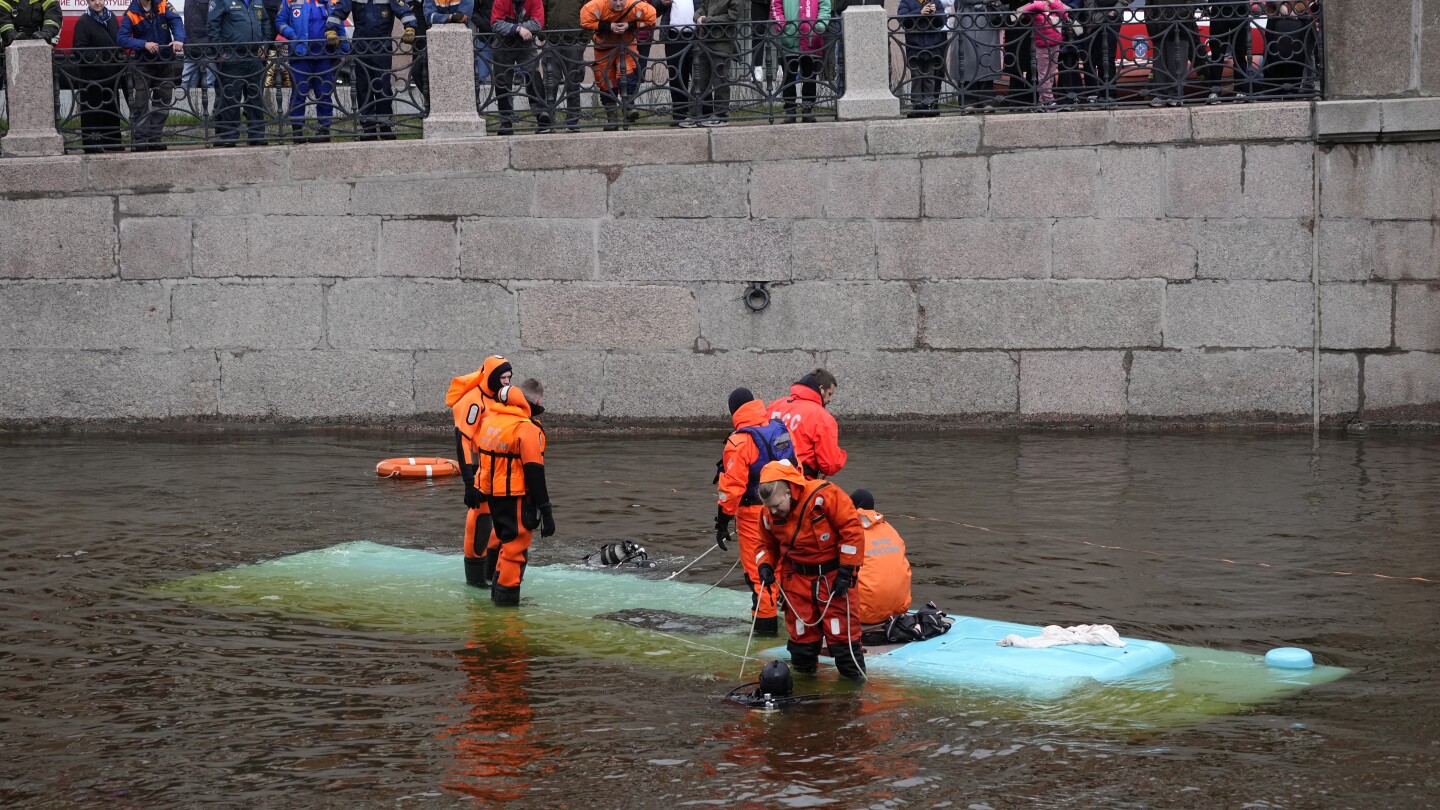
(615, 24)
(517, 60)
(800, 26)
(1229, 37)
(95, 68)
(374, 23)
(1174, 34)
(29, 19)
(564, 58)
(155, 33)
(923, 22)
(474, 13)
(719, 22)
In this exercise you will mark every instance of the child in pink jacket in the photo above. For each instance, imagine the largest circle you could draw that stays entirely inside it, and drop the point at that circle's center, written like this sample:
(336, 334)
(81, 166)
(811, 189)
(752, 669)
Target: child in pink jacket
(1046, 19)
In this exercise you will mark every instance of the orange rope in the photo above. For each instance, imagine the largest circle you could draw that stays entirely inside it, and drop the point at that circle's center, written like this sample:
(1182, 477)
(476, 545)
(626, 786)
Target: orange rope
(1172, 553)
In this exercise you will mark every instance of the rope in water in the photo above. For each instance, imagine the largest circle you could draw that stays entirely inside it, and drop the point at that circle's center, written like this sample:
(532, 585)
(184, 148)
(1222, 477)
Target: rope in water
(1175, 554)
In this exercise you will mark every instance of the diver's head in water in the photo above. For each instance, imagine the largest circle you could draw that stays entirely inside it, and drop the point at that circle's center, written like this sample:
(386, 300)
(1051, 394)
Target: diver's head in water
(775, 680)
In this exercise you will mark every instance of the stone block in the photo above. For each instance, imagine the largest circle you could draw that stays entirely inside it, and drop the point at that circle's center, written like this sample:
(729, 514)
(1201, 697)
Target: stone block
(795, 142)
(411, 314)
(964, 248)
(694, 250)
(607, 316)
(451, 59)
(955, 135)
(85, 315)
(358, 161)
(1417, 317)
(215, 202)
(1204, 181)
(811, 315)
(1027, 130)
(1072, 383)
(269, 315)
(612, 149)
(1346, 249)
(1355, 316)
(1040, 314)
(1378, 181)
(956, 187)
(497, 194)
(428, 248)
(306, 247)
(1132, 183)
(154, 247)
(1264, 249)
(1347, 120)
(502, 249)
(1277, 181)
(1124, 248)
(563, 195)
(1280, 121)
(1235, 383)
(788, 189)
(70, 237)
(696, 384)
(866, 51)
(1238, 314)
(829, 250)
(922, 383)
(704, 190)
(1394, 381)
(307, 199)
(1376, 59)
(189, 168)
(42, 175)
(1049, 183)
(1339, 383)
(574, 381)
(1151, 126)
(286, 384)
(888, 188)
(138, 384)
(1406, 251)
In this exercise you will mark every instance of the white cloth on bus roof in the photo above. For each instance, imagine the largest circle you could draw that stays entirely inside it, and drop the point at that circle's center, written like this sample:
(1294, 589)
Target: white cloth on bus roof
(1054, 635)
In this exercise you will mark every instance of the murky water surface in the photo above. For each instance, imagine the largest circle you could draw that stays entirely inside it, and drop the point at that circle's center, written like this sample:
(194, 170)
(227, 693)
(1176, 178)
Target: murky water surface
(116, 697)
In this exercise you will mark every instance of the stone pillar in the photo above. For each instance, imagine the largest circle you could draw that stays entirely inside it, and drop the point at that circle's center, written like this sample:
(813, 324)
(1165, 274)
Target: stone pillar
(451, 51)
(867, 65)
(30, 91)
(1382, 48)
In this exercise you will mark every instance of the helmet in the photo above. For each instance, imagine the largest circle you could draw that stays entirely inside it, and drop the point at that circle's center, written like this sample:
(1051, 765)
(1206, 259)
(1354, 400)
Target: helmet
(775, 680)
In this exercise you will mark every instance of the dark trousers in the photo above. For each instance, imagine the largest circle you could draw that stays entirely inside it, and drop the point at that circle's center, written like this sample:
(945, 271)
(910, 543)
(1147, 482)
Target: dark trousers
(1173, 45)
(801, 71)
(712, 78)
(240, 82)
(926, 65)
(680, 56)
(1104, 39)
(1019, 66)
(1229, 38)
(374, 96)
(154, 84)
(759, 15)
(100, 121)
(518, 66)
(312, 78)
(564, 74)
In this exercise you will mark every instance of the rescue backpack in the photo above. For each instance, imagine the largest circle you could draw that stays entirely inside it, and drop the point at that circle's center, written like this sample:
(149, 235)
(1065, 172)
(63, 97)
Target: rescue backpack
(927, 622)
(773, 441)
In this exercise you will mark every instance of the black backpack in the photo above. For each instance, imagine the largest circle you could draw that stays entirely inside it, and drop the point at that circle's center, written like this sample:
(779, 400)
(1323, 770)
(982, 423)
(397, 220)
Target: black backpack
(927, 622)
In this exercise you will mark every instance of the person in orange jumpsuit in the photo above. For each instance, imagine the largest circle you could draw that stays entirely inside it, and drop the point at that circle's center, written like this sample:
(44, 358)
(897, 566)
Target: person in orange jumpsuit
(811, 534)
(757, 441)
(512, 478)
(882, 589)
(467, 399)
(816, 436)
(616, 24)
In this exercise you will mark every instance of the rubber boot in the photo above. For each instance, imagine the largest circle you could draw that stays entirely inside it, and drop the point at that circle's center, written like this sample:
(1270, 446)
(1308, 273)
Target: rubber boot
(849, 659)
(492, 561)
(297, 133)
(322, 135)
(767, 627)
(612, 116)
(503, 596)
(475, 573)
(804, 657)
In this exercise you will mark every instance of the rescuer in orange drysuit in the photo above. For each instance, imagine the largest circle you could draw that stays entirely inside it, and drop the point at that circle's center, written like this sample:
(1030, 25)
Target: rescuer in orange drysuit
(757, 441)
(812, 535)
(616, 24)
(467, 398)
(882, 589)
(813, 429)
(512, 479)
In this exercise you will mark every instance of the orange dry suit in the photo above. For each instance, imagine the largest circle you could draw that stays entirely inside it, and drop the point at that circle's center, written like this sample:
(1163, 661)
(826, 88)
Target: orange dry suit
(757, 441)
(817, 437)
(512, 478)
(467, 399)
(816, 552)
(615, 54)
(882, 588)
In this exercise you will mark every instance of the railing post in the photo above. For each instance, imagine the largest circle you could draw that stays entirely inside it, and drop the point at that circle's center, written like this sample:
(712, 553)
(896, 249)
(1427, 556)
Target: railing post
(30, 85)
(867, 65)
(451, 58)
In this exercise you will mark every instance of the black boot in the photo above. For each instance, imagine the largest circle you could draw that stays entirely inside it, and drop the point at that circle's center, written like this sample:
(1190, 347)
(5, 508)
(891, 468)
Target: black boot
(612, 117)
(475, 573)
(297, 133)
(767, 627)
(492, 562)
(804, 657)
(503, 596)
(849, 659)
(322, 135)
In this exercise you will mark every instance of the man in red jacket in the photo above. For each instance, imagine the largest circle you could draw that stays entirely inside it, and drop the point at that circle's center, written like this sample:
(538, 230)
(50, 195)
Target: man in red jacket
(813, 429)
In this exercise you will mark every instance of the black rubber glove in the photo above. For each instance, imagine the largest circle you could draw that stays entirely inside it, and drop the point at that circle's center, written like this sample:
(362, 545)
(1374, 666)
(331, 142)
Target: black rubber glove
(767, 574)
(722, 530)
(547, 520)
(843, 580)
(472, 492)
(472, 498)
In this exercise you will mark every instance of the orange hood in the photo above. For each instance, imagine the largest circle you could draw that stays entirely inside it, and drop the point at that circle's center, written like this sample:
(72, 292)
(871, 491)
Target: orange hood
(782, 471)
(481, 377)
(751, 414)
(511, 400)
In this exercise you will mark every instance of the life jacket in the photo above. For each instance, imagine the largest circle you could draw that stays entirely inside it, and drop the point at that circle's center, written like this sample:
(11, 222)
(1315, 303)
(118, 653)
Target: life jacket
(882, 588)
(502, 457)
(772, 441)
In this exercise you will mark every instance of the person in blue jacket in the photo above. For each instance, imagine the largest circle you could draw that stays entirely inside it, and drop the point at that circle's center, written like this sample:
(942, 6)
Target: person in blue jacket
(374, 23)
(474, 14)
(155, 33)
(312, 65)
(240, 30)
(923, 22)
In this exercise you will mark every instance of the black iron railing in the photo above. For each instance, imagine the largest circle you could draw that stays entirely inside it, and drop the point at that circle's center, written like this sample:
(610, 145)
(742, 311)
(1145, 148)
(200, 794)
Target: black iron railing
(1005, 55)
(109, 99)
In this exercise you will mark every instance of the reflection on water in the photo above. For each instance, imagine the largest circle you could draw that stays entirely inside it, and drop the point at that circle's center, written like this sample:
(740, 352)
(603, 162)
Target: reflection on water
(117, 697)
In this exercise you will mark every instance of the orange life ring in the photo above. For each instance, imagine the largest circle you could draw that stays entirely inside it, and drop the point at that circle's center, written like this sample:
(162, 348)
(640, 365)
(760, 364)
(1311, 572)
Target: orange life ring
(417, 467)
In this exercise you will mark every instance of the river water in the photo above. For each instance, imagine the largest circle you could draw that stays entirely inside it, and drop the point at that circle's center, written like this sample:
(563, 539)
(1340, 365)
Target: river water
(117, 697)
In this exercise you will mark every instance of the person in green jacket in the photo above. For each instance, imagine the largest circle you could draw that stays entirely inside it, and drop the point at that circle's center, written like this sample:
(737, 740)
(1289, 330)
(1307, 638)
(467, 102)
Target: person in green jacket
(719, 22)
(800, 26)
(239, 29)
(564, 59)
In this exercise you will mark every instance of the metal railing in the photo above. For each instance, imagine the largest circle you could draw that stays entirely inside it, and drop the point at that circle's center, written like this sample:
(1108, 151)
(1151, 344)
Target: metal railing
(362, 89)
(676, 76)
(996, 55)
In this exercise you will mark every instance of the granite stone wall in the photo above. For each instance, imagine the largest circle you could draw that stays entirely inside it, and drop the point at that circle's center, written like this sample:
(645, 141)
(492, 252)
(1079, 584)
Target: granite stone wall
(1129, 266)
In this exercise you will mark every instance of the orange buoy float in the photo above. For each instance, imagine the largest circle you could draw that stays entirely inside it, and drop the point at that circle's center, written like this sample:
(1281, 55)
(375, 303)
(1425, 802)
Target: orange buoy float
(416, 467)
